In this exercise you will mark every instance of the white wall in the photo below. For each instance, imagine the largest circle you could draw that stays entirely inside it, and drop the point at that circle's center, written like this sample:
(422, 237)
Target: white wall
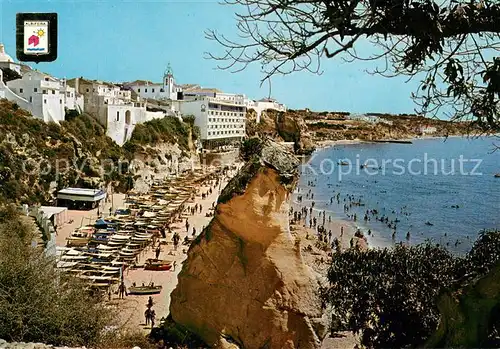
(13, 97)
(43, 96)
(214, 124)
(195, 108)
(151, 91)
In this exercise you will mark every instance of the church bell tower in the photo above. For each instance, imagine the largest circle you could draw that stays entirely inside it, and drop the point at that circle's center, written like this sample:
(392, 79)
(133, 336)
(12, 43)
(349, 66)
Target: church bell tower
(168, 82)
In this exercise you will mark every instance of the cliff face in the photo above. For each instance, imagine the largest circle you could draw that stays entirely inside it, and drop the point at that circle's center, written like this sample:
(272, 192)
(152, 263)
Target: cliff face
(287, 127)
(244, 277)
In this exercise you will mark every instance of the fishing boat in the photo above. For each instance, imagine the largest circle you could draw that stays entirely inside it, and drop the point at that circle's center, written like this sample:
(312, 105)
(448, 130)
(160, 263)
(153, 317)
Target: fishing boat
(80, 237)
(343, 163)
(144, 290)
(497, 175)
(157, 265)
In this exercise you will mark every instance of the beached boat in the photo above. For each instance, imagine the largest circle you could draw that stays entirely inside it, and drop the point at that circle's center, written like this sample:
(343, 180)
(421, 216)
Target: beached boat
(157, 265)
(144, 290)
(80, 237)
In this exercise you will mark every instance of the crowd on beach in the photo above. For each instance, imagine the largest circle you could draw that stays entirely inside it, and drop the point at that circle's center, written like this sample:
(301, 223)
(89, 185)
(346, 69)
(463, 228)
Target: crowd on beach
(182, 231)
(351, 204)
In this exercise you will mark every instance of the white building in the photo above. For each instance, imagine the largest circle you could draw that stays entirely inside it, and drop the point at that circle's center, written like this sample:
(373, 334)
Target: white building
(7, 62)
(221, 116)
(44, 96)
(113, 107)
(264, 104)
(427, 130)
(166, 90)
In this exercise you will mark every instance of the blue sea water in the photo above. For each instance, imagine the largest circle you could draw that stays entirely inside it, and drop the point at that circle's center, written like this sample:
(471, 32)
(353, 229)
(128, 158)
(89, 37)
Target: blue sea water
(414, 183)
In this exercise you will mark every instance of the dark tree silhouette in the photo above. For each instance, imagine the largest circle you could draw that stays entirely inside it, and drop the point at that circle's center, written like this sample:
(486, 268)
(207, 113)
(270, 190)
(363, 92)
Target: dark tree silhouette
(451, 46)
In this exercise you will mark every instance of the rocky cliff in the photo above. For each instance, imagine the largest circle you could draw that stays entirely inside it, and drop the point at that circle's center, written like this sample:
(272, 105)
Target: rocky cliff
(307, 128)
(282, 127)
(244, 280)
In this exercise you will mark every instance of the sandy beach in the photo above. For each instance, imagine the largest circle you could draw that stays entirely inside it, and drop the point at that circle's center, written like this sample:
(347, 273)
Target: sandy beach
(131, 309)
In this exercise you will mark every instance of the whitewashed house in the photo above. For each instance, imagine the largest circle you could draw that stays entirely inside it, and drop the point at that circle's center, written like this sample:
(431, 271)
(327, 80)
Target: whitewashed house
(264, 104)
(113, 107)
(44, 96)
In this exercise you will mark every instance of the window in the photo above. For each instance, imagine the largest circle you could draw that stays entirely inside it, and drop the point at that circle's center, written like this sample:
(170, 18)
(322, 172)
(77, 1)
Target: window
(161, 90)
(35, 90)
(138, 90)
(20, 90)
(44, 92)
(46, 79)
(145, 90)
(44, 101)
(60, 101)
(153, 90)
(53, 92)
(117, 116)
(88, 90)
(31, 99)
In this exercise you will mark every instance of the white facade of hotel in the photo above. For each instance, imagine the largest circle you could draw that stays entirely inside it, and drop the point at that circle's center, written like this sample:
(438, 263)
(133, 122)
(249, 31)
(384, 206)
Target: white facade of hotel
(219, 118)
(114, 108)
(44, 96)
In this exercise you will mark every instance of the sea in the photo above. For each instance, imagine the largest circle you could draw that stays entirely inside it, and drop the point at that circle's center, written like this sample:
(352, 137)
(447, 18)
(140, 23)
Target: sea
(439, 189)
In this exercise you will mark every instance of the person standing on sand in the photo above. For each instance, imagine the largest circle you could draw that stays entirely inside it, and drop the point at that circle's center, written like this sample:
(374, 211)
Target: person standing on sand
(121, 290)
(157, 252)
(152, 317)
(147, 315)
(176, 239)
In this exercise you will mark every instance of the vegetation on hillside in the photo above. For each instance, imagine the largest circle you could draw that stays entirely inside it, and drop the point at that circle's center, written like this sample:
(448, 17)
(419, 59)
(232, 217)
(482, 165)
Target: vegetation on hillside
(37, 303)
(165, 130)
(77, 153)
(392, 297)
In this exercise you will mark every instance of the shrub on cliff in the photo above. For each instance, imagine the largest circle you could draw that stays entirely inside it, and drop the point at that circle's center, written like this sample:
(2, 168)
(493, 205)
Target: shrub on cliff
(390, 296)
(250, 147)
(168, 129)
(38, 304)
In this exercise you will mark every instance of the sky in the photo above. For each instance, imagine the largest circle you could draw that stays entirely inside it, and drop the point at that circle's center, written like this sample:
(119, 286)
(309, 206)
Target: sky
(121, 40)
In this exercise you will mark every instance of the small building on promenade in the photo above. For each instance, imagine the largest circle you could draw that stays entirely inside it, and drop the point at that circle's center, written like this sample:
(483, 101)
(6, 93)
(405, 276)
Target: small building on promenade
(80, 198)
